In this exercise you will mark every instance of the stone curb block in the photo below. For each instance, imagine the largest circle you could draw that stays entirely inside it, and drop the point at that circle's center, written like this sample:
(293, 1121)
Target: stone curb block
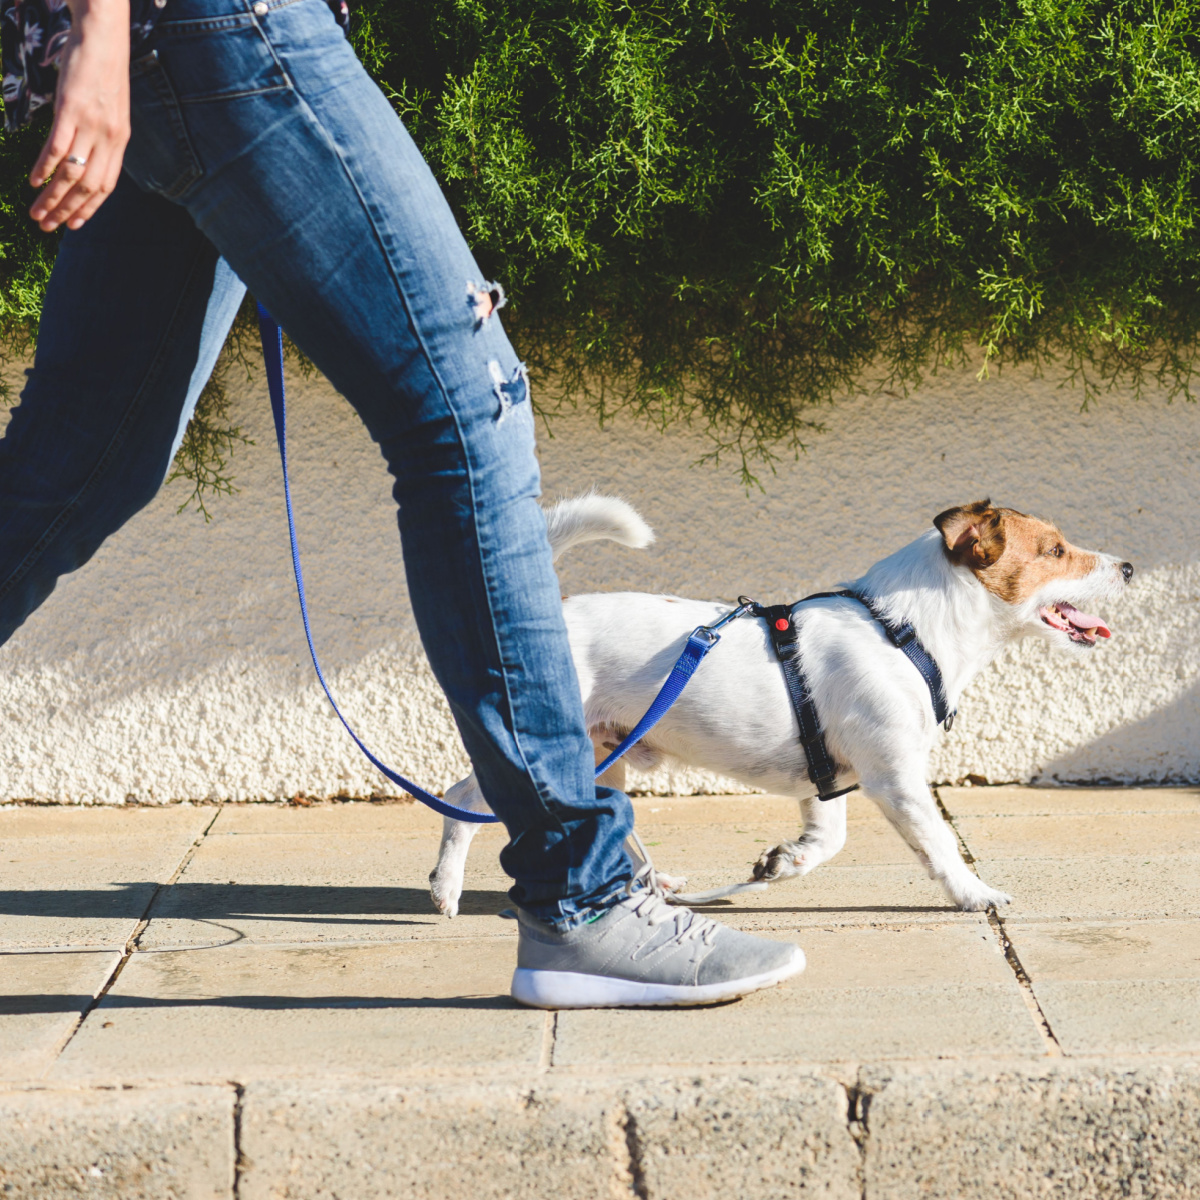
(170, 1143)
(563, 1138)
(1065, 1130)
(976, 1131)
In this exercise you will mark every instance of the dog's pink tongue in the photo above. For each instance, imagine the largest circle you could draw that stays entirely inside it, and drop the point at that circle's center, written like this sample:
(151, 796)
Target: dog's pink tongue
(1084, 620)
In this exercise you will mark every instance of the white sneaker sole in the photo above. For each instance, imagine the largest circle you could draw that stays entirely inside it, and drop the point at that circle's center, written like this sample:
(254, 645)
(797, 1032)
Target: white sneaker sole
(569, 989)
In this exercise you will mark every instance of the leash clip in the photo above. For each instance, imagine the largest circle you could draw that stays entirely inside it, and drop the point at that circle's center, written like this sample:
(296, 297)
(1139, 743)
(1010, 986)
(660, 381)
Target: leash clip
(709, 632)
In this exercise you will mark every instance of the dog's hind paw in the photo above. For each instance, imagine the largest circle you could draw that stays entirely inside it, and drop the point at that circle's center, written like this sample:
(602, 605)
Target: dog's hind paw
(671, 883)
(780, 862)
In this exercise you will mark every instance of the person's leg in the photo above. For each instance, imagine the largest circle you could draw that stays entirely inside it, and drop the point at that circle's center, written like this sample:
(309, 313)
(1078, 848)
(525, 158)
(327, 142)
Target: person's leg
(136, 312)
(311, 189)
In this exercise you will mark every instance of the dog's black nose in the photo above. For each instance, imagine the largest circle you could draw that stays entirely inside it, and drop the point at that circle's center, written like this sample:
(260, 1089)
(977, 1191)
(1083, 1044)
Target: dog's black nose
(1127, 571)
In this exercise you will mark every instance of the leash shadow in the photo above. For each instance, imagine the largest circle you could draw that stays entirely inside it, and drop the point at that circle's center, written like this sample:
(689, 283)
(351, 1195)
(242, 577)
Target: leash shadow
(901, 910)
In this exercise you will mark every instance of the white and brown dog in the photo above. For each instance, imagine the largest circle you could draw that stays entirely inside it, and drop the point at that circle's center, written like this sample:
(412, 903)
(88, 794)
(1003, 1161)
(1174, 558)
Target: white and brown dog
(982, 578)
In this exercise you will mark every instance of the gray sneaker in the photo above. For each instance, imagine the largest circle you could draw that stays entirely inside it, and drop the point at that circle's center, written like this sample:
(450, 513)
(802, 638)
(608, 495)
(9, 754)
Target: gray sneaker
(644, 952)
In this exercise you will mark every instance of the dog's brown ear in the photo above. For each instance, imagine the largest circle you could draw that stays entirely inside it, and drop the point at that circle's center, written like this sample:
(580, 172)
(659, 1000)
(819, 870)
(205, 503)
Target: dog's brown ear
(973, 533)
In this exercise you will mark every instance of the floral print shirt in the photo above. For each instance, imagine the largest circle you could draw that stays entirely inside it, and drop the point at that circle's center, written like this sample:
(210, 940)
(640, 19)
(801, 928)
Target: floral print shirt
(32, 36)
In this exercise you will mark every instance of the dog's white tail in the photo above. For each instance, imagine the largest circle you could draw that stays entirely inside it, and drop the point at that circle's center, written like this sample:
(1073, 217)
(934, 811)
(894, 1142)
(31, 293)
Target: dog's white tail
(594, 518)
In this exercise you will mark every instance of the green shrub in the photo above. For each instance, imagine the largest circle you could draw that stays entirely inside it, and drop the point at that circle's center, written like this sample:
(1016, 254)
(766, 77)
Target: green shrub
(735, 211)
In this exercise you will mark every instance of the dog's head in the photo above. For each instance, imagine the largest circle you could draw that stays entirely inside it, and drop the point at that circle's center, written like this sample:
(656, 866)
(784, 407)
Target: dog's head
(1029, 565)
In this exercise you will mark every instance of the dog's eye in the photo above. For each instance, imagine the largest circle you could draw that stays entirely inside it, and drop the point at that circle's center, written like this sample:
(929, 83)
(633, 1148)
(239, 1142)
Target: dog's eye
(1055, 552)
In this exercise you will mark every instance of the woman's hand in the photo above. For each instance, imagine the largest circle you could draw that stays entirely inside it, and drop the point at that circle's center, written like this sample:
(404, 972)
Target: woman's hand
(81, 159)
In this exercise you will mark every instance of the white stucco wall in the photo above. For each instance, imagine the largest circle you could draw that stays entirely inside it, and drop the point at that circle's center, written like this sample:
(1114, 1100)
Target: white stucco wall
(173, 666)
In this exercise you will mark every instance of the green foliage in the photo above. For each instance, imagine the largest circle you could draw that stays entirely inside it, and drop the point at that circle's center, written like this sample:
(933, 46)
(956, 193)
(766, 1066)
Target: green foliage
(734, 211)
(209, 440)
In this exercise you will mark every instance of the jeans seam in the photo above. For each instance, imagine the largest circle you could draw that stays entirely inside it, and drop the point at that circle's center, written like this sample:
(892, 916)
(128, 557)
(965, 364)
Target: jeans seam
(158, 79)
(218, 96)
(428, 356)
(244, 20)
(105, 461)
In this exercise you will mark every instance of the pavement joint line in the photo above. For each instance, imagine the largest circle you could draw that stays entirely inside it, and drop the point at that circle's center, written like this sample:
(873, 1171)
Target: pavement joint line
(858, 1103)
(634, 1170)
(1024, 984)
(549, 1038)
(132, 945)
(1053, 1045)
(240, 1162)
(138, 930)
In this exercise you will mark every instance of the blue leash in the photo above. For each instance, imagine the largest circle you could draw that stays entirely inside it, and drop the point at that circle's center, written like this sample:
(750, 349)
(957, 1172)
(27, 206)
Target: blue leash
(699, 643)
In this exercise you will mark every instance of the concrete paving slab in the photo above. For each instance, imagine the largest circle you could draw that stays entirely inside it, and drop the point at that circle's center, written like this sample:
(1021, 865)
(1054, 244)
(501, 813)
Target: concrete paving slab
(170, 1143)
(1033, 837)
(323, 887)
(867, 993)
(1079, 1131)
(1012, 800)
(1160, 885)
(919, 955)
(1147, 1016)
(387, 818)
(1099, 950)
(244, 1011)
(44, 995)
(1116, 987)
(807, 1025)
(85, 876)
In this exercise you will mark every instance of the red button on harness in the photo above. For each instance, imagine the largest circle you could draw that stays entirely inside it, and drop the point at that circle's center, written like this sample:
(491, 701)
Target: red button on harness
(781, 624)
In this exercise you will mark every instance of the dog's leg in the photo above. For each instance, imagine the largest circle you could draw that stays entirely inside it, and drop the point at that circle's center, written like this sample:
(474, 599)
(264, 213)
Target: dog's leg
(446, 879)
(909, 805)
(614, 777)
(824, 835)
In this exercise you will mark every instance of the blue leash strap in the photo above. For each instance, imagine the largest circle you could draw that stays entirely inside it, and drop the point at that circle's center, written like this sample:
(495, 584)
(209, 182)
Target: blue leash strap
(272, 341)
(699, 643)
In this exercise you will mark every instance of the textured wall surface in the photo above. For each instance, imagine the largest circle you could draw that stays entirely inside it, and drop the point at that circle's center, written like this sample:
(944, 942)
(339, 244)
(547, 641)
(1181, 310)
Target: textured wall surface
(173, 665)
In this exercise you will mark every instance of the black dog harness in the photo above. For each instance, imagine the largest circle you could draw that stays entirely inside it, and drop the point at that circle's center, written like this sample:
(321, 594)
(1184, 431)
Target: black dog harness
(781, 624)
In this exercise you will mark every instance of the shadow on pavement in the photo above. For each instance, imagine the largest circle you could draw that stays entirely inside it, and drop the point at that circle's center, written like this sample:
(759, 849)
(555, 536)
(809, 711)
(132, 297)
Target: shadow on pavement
(13, 1006)
(216, 901)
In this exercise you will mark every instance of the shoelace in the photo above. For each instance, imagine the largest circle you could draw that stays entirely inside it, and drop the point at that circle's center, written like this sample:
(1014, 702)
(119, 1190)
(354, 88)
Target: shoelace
(653, 907)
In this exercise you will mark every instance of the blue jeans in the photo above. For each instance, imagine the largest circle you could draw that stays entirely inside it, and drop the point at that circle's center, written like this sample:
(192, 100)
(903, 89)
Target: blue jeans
(262, 152)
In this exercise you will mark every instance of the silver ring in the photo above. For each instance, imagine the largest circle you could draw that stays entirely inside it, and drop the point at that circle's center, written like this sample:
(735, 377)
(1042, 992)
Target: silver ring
(79, 162)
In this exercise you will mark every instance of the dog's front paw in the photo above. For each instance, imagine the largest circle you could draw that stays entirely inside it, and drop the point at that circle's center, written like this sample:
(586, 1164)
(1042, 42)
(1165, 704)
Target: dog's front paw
(780, 862)
(978, 897)
(446, 894)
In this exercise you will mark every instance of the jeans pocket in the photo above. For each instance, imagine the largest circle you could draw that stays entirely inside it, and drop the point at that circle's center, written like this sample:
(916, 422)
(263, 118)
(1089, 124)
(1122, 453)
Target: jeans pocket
(160, 156)
(221, 58)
